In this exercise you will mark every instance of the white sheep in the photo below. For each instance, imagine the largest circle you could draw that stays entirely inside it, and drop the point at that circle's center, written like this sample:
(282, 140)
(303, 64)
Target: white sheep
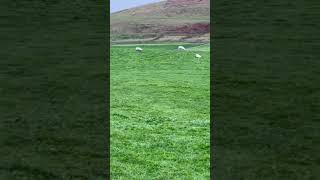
(138, 49)
(198, 56)
(181, 48)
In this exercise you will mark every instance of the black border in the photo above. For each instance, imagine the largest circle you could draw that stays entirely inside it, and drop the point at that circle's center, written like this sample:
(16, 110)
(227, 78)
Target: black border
(58, 124)
(108, 59)
(212, 60)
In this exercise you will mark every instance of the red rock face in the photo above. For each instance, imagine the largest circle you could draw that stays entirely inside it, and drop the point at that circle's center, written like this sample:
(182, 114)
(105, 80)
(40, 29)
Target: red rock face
(198, 28)
(194, 29)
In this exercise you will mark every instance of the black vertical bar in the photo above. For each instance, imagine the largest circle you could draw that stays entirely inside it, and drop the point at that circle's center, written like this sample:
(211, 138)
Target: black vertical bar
(108, 87)
(266, 89)
(54, 88)
(212, 102)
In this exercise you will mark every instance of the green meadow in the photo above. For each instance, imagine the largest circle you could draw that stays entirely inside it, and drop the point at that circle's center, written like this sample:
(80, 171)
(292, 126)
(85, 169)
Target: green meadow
(160, 113)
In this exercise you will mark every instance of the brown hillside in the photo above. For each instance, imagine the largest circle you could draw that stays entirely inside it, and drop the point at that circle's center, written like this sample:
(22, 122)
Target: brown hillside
(176, 20)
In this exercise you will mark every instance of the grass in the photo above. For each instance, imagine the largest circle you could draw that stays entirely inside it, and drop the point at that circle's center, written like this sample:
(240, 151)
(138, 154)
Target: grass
(53, 93)
(266, 90)
(159, 113)
(202, 47)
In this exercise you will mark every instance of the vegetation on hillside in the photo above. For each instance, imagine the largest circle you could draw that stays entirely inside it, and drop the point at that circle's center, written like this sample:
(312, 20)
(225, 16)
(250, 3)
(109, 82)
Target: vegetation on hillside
(164, 21)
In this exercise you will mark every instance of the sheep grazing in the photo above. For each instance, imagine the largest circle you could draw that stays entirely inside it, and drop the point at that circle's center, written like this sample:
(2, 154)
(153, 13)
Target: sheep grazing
(138, 49)
(198, 56)
(181, 48)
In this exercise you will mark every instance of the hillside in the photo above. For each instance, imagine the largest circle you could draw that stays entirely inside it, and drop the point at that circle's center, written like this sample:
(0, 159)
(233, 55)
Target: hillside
(171, 20)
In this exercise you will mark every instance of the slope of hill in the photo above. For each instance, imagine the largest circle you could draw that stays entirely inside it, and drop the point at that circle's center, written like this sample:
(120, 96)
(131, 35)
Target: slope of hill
(171, 20)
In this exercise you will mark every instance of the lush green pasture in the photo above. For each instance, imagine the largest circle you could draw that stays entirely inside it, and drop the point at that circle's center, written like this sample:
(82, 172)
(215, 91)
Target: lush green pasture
(203, 47)
(160, 114)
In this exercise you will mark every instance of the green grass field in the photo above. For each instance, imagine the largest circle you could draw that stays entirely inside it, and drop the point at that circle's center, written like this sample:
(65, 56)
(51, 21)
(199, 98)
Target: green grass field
(202, 47)
(160, 113)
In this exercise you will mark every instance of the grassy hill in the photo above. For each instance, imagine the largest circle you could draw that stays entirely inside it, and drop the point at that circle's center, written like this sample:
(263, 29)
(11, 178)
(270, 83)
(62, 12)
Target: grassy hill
(173, 20)
(160, 114)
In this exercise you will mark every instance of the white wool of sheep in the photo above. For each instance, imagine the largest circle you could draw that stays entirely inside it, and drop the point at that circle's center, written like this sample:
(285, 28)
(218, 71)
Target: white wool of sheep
(181, 48)
(198, 56)
(139, 49)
